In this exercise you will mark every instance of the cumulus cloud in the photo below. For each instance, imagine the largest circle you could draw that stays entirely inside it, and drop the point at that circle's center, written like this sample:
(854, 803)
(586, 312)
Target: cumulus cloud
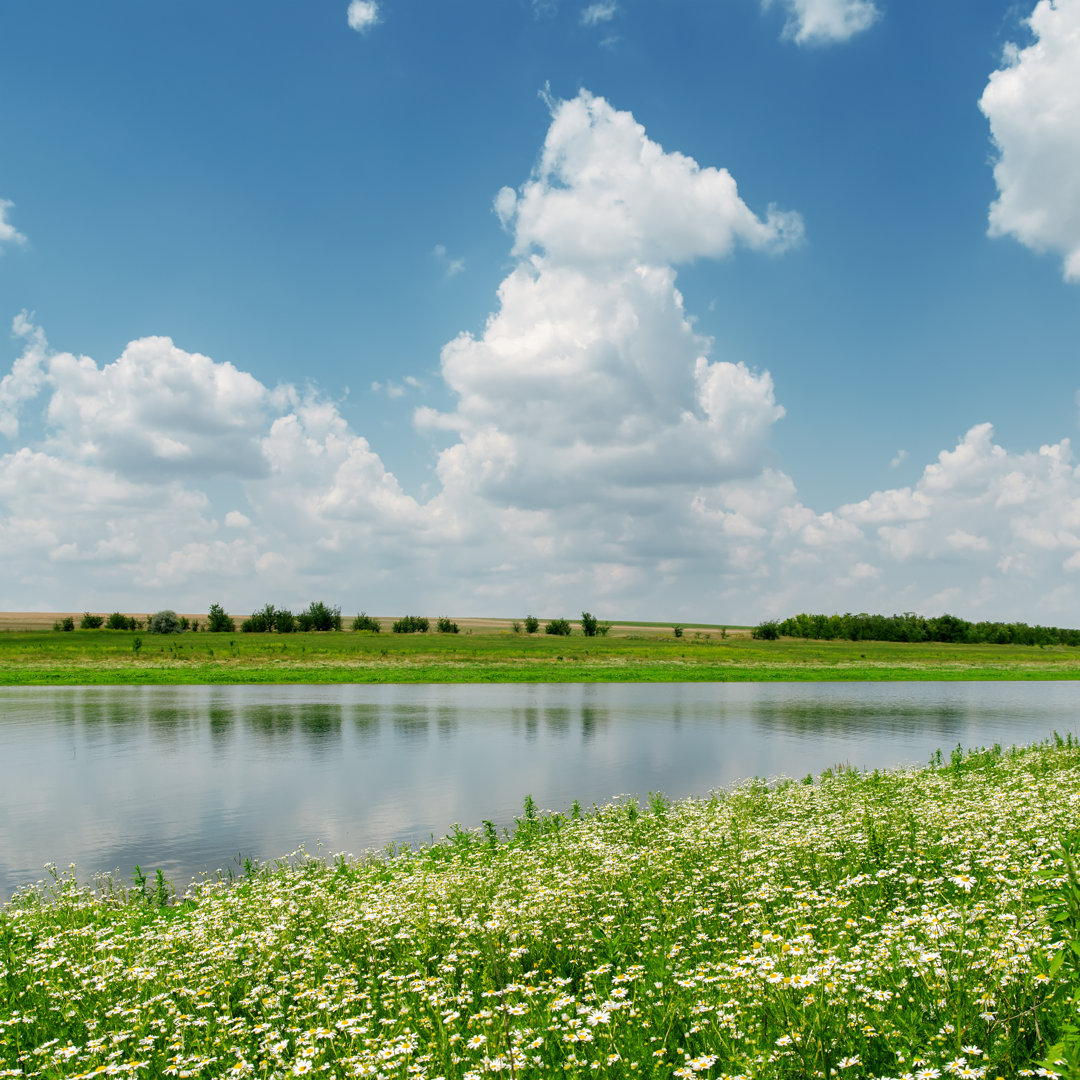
(602, 11)
(363, 15)
(8, 233)
(821, 22)
(597, 454)
(1033, 105)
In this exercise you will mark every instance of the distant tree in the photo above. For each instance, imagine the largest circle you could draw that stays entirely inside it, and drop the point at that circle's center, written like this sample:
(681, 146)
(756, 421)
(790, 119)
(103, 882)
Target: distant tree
(66, 623)
(364, 621)
(589, 624)
(446, 626)
(677, 630)
(318, 616)
(217, 622)
(767, 631)
(558, 627)
(532, 624)
(284, 621)
(116, 621)
(90, 622)
(411, 624)
(164, 622)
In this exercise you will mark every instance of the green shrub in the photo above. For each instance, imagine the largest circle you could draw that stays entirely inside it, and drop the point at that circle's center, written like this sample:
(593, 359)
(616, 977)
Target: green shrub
(217, 622)
(261, 622)
(677, 630)
(446, 626)
(589, 624)
(317, 616)
(164, 622)
(532, 624)
(364, 621)
(558, 627)
(767, 631)
(116, 621)
(411, 624)
(90, 622)
(284, 621)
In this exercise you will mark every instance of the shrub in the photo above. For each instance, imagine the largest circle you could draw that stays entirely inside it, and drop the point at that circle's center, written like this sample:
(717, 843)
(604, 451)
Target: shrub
(411, 624)
(66, 623)
(284, 621)
(677, 630)
(603, 628)
(164, 622)
(559, 627)
(217, 622)
(261, 622)
(516, 626)
(532, 624)
(90, 622)
(116, 621)
(317, 616)
(364, 621)
(767, 631)
(445, 626)
(588, 624)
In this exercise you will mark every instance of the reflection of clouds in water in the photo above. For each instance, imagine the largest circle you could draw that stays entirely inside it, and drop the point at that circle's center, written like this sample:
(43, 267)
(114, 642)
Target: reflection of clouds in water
(187, 777)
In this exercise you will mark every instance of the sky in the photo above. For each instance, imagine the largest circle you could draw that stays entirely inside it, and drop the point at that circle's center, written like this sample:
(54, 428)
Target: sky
(701, 310)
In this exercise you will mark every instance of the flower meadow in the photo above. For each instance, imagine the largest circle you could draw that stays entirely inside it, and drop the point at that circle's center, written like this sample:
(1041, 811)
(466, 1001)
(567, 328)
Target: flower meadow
(886, 924)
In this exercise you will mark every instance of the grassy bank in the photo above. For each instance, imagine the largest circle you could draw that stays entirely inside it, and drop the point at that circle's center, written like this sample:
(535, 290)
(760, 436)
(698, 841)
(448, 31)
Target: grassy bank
(103, 657)
(866, 925)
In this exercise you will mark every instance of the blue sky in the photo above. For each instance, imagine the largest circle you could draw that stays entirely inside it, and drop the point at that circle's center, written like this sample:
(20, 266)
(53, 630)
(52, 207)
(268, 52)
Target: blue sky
(671, 399)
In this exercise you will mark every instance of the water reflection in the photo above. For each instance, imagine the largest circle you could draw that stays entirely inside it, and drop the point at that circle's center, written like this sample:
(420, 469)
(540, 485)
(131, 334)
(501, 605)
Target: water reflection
(185, 777)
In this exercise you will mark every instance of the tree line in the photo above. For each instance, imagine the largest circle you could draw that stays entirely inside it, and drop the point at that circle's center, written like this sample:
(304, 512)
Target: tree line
(910, 627)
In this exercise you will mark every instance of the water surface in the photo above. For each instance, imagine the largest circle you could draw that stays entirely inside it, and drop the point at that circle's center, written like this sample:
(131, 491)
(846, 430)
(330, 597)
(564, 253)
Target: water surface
(188, 778)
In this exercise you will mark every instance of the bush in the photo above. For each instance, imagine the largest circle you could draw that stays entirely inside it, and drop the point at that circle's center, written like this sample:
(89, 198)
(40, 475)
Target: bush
(364, 621)
(559, 627)
(66, 623)
(532, 624)
(90, 622)
(767, 631)
(164, 622)
(677, 630)
(588, 624)
(445, 626)
(284, 621)
(261, 622)
(317, 616)
(217, 622)
(116, 621)
(411, 624)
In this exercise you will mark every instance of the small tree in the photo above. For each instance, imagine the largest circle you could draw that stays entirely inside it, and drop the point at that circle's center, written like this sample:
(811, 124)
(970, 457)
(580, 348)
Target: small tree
(412, 624)
(284, 621)
(677, 630)
(116, 621)
(532, 624)
(558, 627)
(364, 621)
(446, 626)
(318, 616)
(164, 622)
(90, 622)
(767, 631)
(589, 624)
(66, 623)
(217, 622)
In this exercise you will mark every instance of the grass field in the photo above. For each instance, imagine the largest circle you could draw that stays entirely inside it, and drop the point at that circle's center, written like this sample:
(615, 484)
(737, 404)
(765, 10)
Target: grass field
(896, 924)
(485, 652)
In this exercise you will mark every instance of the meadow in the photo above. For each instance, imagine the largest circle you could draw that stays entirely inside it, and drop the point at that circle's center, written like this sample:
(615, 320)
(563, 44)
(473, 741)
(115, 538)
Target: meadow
(633, 653)
(888, 924)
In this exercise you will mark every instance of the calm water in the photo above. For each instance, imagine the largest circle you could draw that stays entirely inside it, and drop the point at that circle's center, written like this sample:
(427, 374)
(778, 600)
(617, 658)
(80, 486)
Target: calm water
(185, 778)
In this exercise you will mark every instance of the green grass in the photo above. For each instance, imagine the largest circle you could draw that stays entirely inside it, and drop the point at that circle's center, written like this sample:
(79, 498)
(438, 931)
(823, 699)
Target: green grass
(99, 657)
(893, 924)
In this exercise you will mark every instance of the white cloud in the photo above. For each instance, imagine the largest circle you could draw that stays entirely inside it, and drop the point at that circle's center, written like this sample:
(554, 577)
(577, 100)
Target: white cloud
(602, 11)
(1033, 105)
(363, 15)
(899, 459)
(8, 233)
(451, 267)
(597, 454)
(821, 22)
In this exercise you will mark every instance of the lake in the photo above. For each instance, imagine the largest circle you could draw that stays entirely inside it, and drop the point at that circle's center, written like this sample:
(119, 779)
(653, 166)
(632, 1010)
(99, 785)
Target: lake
(188, 779)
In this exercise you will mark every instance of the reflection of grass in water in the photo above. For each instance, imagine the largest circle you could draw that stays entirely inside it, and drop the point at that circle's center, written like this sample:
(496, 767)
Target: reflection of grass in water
(882, 924)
